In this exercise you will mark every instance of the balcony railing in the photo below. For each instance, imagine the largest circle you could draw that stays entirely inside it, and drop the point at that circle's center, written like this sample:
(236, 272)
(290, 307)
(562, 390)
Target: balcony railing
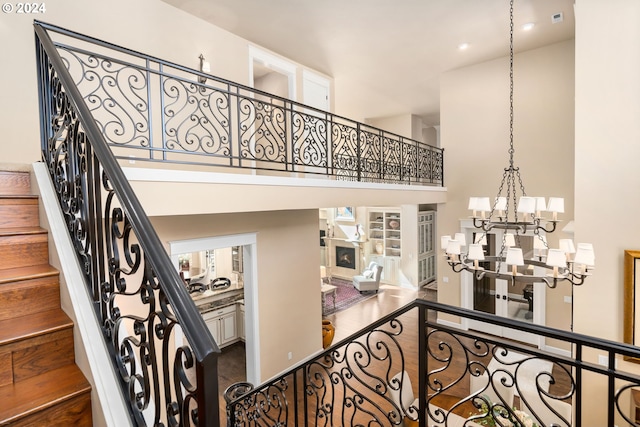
(153, 110)
(453, 378)
(161, 348)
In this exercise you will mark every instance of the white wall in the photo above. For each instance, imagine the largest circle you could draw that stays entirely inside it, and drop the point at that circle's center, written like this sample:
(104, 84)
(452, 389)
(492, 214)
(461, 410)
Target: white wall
(288, 279)
(607, 175)
(475, 136)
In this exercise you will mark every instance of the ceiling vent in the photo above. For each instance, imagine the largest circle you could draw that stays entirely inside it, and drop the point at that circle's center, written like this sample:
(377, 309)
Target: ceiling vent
(557, 17)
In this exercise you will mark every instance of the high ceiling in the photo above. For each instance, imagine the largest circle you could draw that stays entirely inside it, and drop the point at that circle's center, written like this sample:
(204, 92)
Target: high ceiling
(390, 52)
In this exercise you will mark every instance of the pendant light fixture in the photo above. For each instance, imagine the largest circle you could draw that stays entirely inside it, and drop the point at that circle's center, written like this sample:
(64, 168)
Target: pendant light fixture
(516, 214)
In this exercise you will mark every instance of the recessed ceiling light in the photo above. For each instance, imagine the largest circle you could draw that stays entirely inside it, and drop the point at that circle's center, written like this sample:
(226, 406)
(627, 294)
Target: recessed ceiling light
(463, 46)
(528, 26)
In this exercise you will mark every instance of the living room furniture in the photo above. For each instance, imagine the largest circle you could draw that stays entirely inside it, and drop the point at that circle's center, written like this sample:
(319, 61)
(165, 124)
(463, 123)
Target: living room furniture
(328, 290)
(369, 280)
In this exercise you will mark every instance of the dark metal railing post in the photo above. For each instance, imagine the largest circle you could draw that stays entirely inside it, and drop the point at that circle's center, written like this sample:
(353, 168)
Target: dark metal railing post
(161, 79)
(150, 104)
(44, 95)
(358, 152)
(423, 365)
(578, 373)
(231, 138)
(611, 390)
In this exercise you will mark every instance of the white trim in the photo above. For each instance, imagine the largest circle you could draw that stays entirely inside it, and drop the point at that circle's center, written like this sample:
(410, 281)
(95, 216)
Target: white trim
(168, 175)
(210, 243)
(556, 350)
(450, 324)
(104, 382)
(248, 241)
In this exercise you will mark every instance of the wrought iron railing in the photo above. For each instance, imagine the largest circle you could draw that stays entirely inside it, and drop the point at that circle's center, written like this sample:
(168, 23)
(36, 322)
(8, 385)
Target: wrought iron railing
(458, 378)
(156, 111)
(165, 357)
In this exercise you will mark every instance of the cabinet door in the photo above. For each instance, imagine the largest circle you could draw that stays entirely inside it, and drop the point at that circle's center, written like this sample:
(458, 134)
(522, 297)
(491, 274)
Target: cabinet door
(214, 327)
(228, 330)
(241, 333)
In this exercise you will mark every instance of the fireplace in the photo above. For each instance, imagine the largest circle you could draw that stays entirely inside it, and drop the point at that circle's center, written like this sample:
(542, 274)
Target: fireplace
(346, 257)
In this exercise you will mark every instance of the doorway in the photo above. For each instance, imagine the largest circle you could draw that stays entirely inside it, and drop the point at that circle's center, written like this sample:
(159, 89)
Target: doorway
(514, 300)
(248, 243)
(272, 74)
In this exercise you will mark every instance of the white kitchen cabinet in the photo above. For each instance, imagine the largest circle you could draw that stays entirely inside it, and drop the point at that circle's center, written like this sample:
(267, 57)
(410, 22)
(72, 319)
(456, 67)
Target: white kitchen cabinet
(222, 324)
(241, 332)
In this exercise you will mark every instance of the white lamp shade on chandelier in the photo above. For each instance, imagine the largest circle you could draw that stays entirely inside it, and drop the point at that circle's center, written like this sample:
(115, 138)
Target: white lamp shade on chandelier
(585, 256)
(509, 240)
(444, 242)
(514, 257)
(556, 258)
(460, 237)
(475, 252)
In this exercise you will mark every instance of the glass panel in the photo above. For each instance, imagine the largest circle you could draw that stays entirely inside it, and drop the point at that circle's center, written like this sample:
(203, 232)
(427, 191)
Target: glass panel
(521, 302)
(484, 290)
(521, 294)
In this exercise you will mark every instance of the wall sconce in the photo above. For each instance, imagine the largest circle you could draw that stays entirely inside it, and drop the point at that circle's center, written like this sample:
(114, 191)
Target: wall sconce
(205, 67)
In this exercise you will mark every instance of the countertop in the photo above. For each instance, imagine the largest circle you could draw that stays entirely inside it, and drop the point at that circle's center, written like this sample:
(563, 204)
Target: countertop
(212, 300)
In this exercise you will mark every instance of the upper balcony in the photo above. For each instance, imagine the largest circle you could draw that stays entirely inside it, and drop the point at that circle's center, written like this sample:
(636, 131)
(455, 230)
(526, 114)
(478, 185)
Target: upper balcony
(162, 119)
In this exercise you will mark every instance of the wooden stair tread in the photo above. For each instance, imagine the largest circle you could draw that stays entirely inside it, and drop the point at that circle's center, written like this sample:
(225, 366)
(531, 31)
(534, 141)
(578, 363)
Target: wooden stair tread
(41, 392)
(23, 198)
(12, 231)
(9, 275)
(32, 325)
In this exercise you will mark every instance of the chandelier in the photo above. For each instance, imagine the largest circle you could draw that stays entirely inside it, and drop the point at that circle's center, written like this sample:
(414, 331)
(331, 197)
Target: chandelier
(517, 214)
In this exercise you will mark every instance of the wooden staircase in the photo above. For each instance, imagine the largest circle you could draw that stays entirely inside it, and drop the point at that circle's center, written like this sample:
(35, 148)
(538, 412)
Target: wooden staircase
(40, 385)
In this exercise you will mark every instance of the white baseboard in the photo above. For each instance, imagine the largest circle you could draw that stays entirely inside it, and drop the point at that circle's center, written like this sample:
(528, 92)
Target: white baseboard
(556, 350)
(101, 373)
(450, 324)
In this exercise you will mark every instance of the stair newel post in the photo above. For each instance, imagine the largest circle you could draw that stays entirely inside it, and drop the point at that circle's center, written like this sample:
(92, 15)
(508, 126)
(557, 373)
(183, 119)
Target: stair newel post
(207, 377)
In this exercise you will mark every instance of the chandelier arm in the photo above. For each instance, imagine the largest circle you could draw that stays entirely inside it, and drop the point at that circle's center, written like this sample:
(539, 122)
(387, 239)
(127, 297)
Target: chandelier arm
(453, 264)
(539, 227)
(551, 285)
(483, 224)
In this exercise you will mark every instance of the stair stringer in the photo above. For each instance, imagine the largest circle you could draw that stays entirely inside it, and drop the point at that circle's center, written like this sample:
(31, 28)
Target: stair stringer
(91, 355)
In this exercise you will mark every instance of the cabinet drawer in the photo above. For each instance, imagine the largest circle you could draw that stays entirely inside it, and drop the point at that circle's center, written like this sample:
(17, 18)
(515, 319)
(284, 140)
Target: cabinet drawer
(219, 312)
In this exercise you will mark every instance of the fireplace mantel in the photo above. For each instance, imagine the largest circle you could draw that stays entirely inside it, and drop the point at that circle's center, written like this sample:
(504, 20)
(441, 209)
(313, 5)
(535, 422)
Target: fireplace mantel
(333, 267)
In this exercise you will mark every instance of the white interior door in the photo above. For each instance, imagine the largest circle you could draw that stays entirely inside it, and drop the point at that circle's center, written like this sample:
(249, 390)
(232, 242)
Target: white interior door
(315, 91)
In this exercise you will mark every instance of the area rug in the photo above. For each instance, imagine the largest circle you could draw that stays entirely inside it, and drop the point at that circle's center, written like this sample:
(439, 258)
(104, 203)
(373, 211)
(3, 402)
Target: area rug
(346, 296)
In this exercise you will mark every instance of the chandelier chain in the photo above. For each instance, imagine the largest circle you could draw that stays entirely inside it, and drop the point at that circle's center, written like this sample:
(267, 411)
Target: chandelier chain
(511, 149)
